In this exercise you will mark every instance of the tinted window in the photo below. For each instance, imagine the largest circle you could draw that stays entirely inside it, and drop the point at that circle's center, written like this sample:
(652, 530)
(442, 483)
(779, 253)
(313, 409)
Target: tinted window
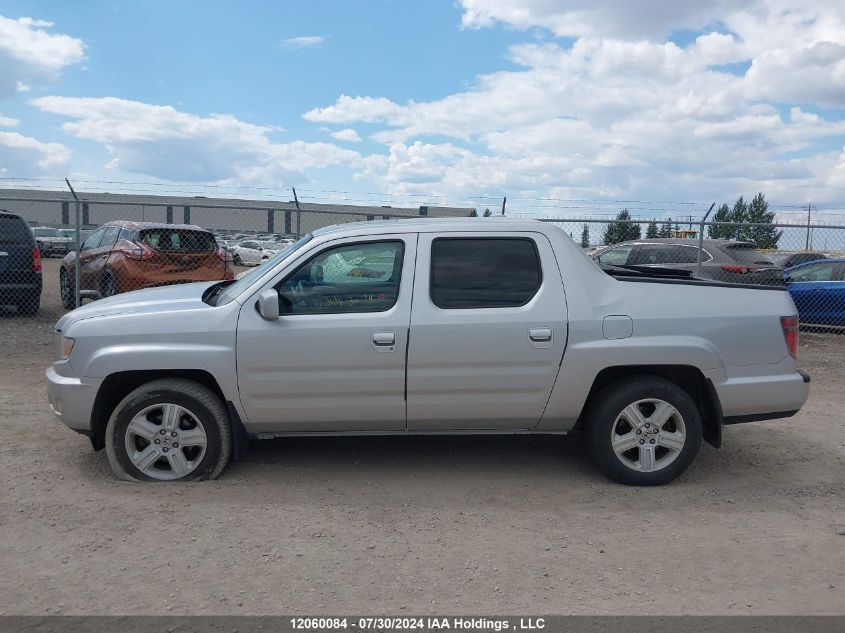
(747, 254)
(249, 245)
(665, 254)
(46, 232)
(350, 278)
(178, 240)
(615, 256)
(109, 237)
(93, 240)
(817, 272)
(126, 234)
(14, 230)
(483, 272)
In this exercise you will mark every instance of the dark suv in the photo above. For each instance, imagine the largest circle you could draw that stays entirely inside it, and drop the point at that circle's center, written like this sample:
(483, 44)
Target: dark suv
(20, 265)
(721, 260)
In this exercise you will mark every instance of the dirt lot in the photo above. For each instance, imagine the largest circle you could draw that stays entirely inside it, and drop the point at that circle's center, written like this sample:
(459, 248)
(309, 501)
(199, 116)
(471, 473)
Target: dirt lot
(421, 525)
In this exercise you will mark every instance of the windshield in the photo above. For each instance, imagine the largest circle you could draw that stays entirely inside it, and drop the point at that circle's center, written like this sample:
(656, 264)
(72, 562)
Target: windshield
(46, 232)
(236, 289)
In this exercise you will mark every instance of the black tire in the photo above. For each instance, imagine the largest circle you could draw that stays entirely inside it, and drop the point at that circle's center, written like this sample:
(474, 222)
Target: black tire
(236, 259)
(601, 424)
(108, 287)
(200, 401)
(66, 291)
(30, 306)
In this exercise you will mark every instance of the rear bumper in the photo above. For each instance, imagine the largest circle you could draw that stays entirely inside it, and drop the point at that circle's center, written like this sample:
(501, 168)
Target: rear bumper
(750, 393)
(72, 399)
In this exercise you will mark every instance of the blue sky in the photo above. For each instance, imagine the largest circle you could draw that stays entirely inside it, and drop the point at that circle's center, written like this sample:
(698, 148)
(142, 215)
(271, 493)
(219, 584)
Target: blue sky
(395, 101)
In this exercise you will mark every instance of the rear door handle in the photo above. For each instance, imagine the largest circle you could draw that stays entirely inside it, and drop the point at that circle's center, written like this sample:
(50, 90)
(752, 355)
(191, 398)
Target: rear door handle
(385, 339)
(540, 334)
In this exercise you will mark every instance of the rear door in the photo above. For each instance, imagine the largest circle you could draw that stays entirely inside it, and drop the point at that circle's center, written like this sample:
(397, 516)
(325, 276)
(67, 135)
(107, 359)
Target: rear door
(97, 257)
(488, 330)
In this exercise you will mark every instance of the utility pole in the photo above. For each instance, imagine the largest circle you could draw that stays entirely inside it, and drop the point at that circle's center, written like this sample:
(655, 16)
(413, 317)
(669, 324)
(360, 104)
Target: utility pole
(807, 244)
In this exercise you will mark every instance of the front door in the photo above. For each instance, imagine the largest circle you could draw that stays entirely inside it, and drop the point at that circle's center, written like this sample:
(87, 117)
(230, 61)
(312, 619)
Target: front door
(334, 361)
(488, 331)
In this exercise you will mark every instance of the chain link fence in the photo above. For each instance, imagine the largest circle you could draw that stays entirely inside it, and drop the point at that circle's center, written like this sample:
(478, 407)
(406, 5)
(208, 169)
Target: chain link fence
(130, 244)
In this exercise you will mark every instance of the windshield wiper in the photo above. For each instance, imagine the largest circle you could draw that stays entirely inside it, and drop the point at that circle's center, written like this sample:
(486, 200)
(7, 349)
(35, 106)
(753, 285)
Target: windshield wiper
(633, 270)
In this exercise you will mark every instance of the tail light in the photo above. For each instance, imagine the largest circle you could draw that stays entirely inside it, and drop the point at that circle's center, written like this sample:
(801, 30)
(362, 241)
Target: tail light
(36, 259)
(221, 253)
(740, 270)
(136, 251)
(790, 334)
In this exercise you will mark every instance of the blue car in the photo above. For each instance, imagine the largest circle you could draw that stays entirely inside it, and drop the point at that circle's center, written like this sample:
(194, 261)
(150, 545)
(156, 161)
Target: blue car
(818, 290)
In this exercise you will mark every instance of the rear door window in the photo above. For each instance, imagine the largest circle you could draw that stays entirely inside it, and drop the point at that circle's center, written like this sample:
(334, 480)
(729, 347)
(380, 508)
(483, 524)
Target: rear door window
(93, 240)
(484, 272)
(109, 237)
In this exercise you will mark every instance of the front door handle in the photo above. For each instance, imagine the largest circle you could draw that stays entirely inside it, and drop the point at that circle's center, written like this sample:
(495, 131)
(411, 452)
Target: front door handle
(540, 334)
(385, 339)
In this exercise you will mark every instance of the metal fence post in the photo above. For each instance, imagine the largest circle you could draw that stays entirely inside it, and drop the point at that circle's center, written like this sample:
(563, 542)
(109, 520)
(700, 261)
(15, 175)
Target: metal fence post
(701, 242)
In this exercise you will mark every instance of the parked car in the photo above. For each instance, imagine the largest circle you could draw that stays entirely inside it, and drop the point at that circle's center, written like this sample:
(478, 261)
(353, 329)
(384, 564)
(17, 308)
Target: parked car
(51, 241)
(122, 256)
(722, 260)
(788, 260)
(818, 290)
(251, 253)
(469, 327)
(20, 265)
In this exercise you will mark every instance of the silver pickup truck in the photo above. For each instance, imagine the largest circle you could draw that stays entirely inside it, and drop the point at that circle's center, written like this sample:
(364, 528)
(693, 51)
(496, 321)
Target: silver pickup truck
(425, 327)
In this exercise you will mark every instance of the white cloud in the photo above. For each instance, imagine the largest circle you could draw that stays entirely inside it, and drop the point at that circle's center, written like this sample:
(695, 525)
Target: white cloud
(347, 134)
(6, 121)
(592, 18)
(163, 142)
(29, 54)
(622, 111)
(305, 41)
(24, 156)
(349, 109)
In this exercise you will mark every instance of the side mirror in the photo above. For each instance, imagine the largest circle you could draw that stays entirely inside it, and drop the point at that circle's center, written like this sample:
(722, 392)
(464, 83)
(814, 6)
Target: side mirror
(268, 304)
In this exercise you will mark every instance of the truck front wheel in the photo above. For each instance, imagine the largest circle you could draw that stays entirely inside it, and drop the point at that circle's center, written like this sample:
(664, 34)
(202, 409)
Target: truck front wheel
(643, 430)
(169, 430)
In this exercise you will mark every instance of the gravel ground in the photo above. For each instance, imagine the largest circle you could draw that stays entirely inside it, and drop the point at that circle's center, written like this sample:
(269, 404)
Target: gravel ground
(421, 525)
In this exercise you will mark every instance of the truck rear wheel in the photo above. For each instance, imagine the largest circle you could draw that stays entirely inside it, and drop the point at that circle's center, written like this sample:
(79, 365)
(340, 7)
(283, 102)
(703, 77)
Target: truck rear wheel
(169, 430)
(643, 430)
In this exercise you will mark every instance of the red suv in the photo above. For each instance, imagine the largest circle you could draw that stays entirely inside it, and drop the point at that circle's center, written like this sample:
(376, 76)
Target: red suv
(122, 256)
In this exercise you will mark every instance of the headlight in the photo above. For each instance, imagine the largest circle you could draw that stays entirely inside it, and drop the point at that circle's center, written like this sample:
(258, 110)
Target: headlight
(67, 347)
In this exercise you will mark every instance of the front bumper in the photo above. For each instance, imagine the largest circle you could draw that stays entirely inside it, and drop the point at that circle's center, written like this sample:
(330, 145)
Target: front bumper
(72, 399)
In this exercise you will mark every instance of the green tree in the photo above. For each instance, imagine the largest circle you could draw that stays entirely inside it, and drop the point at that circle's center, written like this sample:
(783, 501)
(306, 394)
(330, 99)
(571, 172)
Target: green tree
(487, 213)
(665, 228)
(739, 214)
(758, 213)
(721, 232)
(585, 236)
(652, 230)
(622, 229)
(473, 214)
